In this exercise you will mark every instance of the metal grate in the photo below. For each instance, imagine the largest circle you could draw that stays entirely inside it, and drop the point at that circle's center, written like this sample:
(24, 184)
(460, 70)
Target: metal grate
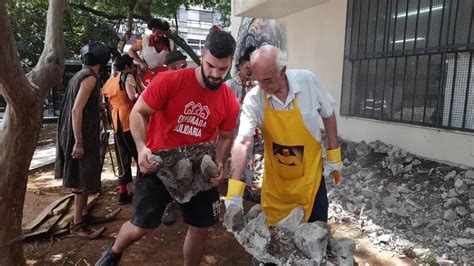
(410, 61)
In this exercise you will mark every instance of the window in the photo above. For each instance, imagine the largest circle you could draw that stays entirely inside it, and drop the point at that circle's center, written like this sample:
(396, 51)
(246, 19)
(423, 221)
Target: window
(205, 16)
(410, 61)
(193, 15)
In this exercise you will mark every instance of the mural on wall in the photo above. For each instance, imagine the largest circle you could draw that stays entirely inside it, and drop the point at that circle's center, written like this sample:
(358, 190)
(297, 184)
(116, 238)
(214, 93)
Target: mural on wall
(255, 32)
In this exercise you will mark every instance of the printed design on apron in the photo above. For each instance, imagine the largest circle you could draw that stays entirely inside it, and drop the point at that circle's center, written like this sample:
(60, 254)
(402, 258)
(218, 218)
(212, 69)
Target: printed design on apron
(289, 160)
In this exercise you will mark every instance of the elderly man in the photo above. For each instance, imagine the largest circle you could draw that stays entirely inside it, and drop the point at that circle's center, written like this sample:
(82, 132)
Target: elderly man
(286, 105)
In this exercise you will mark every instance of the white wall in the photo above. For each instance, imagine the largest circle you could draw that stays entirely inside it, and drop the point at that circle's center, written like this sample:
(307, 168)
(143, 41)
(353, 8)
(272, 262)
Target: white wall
(316, 42)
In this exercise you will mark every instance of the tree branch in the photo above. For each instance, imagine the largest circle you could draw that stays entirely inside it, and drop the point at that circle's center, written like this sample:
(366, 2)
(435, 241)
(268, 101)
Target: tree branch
(143, 17)
(14, 83)
(51, 62)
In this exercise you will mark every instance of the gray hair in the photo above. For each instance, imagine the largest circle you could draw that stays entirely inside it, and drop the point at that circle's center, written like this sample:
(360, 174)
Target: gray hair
(281, 57)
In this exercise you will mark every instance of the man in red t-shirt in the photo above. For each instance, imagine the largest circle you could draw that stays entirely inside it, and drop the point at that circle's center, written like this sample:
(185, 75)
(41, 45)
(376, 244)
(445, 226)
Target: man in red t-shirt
(193, 104)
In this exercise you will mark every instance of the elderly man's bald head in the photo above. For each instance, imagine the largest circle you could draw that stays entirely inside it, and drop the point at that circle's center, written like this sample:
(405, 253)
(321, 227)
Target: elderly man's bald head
(268, 56)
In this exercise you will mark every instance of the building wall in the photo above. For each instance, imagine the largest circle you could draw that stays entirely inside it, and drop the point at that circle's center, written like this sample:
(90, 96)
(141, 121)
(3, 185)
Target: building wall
(316, 42)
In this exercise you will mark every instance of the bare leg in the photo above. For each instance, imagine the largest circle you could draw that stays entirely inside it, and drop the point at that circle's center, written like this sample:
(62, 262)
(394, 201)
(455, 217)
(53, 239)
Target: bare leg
(80, 206)
(194, 245)
(128, 234)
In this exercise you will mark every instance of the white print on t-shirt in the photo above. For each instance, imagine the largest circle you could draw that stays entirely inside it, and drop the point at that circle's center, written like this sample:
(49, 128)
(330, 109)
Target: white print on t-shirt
(193, 119)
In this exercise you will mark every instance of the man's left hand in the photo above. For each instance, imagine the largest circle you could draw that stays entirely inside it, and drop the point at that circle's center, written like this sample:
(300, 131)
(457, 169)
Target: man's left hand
(220, 169)
(333, 164)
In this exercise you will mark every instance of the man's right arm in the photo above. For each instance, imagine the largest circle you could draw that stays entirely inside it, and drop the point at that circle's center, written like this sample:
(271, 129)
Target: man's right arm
(241, 148)
(139, 118)
(137, 46)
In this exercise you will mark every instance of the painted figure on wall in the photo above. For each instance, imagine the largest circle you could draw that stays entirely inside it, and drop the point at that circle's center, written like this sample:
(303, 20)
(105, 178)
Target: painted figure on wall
(255, 32)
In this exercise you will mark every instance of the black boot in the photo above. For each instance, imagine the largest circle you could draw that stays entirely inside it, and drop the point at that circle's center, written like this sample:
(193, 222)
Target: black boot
(124, 198)
(109, 258)
(169, 216)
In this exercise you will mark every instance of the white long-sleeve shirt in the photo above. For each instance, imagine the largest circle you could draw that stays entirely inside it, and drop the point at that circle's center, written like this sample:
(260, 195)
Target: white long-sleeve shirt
(313, 100)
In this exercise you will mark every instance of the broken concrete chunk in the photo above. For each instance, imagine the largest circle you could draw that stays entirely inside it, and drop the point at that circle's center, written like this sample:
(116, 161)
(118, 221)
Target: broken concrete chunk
(209, 167)
(253, 212)
(292, 221)
(184, 171)
(233, 219)
(343, 248)
(312, 239)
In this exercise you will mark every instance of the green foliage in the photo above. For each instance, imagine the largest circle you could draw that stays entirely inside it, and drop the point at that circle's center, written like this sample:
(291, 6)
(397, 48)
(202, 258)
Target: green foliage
(87, 21)
(430, 258)
(82, 28)
(28, 22)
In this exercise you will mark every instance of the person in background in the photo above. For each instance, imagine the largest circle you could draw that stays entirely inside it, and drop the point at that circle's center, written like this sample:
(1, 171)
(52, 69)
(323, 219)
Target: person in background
(121, 94)
(153, 49)
(176, 60)
(240, 85)
(78, 146)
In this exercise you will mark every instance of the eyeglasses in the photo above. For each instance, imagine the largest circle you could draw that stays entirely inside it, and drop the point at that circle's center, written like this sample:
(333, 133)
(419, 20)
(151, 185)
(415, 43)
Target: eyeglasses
(270, 80)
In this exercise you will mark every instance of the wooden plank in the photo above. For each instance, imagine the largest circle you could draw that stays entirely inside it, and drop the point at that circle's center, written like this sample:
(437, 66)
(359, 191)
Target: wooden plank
(35, 222)
(43, 227)
(69, 215)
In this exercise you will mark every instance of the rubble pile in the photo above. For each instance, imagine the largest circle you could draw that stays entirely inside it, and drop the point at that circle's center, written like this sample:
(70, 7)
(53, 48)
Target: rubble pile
(411, 205)
(291, 241)
(185, 171)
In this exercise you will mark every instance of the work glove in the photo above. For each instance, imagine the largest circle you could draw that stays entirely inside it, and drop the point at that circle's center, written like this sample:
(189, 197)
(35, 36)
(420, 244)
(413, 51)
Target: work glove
(234, 209)
(333, 164)
(235, 191)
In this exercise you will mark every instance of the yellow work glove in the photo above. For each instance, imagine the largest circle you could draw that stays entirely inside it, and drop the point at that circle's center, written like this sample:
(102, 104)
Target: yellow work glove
(333, 164)
(235, 191)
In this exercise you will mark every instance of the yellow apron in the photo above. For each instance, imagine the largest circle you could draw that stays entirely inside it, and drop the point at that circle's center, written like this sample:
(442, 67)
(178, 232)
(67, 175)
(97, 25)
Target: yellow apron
(293, 164)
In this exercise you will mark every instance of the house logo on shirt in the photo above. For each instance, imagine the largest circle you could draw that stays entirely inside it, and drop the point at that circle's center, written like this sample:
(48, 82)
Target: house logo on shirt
(193, 119)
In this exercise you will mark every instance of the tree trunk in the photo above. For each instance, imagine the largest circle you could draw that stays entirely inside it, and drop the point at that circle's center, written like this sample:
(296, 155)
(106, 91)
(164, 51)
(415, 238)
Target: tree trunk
(22, 120)
(128, 27)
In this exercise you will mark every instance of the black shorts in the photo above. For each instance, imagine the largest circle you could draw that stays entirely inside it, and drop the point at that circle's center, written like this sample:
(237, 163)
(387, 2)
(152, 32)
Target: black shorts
(151, 198)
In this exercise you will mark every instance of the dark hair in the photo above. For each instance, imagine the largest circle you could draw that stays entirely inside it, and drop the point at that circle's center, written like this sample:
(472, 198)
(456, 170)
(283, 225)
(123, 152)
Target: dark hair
(246, 56)
(91, 60)
(158, 23)
(220, 44)
(123, 61)
(174, 56)
(94, 54)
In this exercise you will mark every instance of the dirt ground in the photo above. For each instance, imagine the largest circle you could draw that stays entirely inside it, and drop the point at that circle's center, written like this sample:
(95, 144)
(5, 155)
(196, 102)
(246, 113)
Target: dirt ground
(164, 245)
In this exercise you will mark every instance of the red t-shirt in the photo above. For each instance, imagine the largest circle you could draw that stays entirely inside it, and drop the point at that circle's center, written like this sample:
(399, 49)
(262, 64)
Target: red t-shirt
(186, 112)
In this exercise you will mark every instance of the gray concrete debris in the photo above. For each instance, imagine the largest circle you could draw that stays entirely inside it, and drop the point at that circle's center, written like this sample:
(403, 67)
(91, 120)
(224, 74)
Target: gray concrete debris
(452, 202)
(181, 170)
(380, 147)
(362, 198)
(290, 242)
(362, 149)
(397, 169)
(312, 240)
(470, 194)
(343, 249)
(233, 219)
(461, 211)
(470, 175)
(450, 175)
(450, 215)
(465, 242)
